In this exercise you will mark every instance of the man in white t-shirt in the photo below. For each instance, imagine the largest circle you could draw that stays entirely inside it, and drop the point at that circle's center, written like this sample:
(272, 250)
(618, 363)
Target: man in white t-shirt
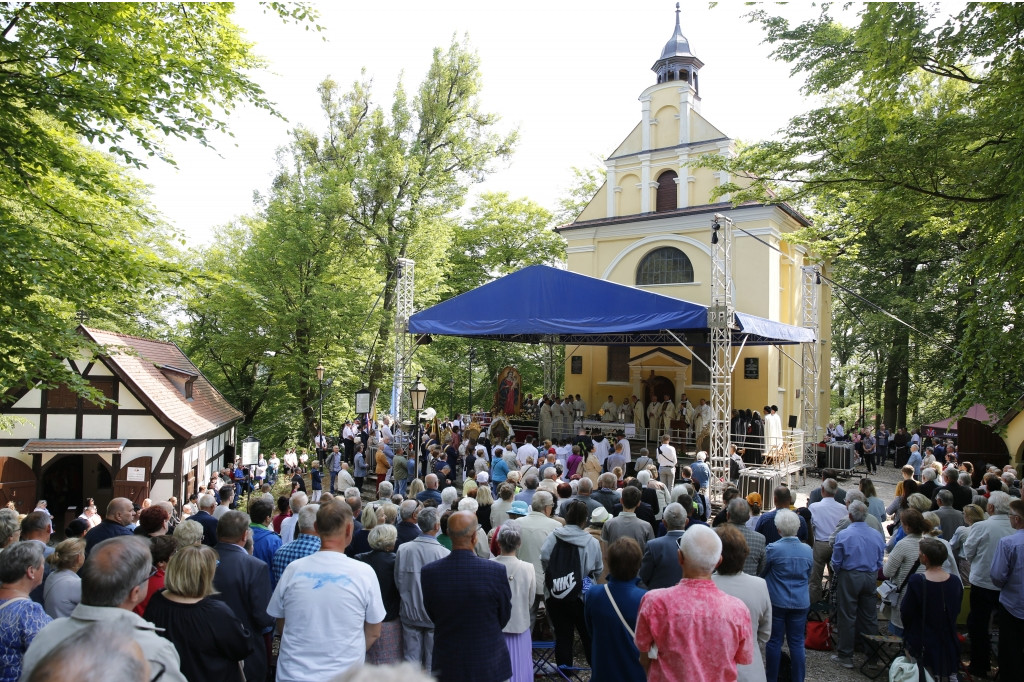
(301, 603)
(667, 461)
(526, 450)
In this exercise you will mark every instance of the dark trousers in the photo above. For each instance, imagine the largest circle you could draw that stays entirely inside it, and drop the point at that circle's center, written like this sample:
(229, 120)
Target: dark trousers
(350, 450)
(858, 613)
(1011, 634)
(983, 603)
(869, 461)
(567, 615)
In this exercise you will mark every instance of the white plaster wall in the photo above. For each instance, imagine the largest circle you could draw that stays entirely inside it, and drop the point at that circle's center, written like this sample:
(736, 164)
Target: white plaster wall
(96, 426)
(60, 426)
(129, 426)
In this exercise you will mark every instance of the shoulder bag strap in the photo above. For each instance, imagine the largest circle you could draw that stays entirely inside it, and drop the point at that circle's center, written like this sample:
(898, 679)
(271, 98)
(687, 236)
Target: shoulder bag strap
(619, 613)
(14, 599)
(913, 570)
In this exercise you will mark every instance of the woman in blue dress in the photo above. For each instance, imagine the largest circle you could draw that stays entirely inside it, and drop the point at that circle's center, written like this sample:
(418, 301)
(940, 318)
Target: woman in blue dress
(21, 571)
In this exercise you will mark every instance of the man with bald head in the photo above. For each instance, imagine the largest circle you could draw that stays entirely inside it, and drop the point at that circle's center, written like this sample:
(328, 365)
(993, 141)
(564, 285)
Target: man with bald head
(467, 648)
(119, 516)
(114, 580)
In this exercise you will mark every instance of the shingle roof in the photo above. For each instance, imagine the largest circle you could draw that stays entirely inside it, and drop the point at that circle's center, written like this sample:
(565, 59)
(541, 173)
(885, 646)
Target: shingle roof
(73, 445)
(140, 363)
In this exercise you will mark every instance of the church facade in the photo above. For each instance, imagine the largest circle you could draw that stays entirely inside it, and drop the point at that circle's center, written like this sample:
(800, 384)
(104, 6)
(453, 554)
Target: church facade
(649, 226)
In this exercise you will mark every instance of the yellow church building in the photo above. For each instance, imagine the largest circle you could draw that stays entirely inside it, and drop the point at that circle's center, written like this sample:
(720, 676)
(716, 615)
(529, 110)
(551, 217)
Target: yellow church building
(649, 226)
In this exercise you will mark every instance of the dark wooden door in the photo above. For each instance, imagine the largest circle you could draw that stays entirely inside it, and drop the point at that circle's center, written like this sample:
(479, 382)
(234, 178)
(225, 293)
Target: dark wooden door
(134, 490)
(17, 485)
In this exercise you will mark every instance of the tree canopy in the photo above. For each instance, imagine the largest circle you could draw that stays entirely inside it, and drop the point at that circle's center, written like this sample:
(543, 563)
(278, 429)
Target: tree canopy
(87, 89)
(916, 145)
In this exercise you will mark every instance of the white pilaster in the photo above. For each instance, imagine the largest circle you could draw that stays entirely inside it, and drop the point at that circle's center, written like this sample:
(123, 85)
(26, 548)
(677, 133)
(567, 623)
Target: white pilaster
(683, 200)
(685, 104)
(645, 183)
(612, 195)
(645, 126)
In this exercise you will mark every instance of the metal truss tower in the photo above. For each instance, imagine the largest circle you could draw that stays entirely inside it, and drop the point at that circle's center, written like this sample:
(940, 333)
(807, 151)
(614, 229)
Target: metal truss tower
(722, 321)
(810, 302)
(405, 272)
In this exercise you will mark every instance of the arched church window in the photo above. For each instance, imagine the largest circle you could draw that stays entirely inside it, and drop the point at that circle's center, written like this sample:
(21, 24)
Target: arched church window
(667, 265)
(667, 192)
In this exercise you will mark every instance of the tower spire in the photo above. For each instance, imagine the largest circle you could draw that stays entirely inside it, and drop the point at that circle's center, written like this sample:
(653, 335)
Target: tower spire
(677, 62)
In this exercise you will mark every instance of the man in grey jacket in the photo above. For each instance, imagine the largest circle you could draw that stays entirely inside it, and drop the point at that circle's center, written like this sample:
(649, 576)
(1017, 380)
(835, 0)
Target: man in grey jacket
(114, 580)
(417, 628)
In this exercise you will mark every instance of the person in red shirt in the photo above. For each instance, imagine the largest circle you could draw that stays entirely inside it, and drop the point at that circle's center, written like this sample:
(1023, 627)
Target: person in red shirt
(694, 632)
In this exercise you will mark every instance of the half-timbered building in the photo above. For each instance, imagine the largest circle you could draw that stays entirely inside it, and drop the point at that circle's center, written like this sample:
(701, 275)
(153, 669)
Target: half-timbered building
(163, 431)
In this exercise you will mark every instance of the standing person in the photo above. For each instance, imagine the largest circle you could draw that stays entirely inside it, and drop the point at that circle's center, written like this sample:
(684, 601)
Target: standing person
(980, 549)
(63, 589)
(120, 515)
(21, 618)
(825, 515)
(731, 579)
(929, 612)
(788, 563)
(1008, 575)
(467, 648)
(868, 444)
(307, 542)
(316, 481)
(307, 628)
(265, 542)
(411, 557)
(856, 559)
(660, 564)
(114, 580)
(535, 527)
(334, 466)
(381, 558)
(382, 464)
(568, 557)
(348, 439)
(359, 467)
(523, 582)
(243, 583)
(667, 461)
(691, 645)
(400, 472)
(210, 641)
(610, 612)
(627, 524)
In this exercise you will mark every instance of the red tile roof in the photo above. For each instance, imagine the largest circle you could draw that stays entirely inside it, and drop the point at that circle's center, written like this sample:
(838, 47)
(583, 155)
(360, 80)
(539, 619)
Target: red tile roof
(140, 362)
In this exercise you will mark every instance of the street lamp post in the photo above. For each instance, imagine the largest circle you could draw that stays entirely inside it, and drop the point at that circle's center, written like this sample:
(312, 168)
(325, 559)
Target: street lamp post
(417, 396)
(320, 426)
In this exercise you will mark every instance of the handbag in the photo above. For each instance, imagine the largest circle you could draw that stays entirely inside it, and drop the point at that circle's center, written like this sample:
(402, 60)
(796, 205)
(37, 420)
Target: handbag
(818, 635)
(906, 669)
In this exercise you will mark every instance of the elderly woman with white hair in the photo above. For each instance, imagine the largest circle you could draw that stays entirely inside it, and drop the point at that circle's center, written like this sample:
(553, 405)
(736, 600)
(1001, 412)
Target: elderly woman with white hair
(449, 498)
(471, 505)
(787, 569)
(381, 558)
(522, 579)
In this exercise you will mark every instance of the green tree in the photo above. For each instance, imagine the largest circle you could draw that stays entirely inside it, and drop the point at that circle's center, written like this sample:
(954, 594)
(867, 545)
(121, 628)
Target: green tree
(403, 173)
(920, 127)
(76, 231)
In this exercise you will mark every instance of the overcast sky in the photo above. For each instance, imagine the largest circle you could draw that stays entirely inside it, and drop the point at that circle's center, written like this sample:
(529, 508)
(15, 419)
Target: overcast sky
(567, 75)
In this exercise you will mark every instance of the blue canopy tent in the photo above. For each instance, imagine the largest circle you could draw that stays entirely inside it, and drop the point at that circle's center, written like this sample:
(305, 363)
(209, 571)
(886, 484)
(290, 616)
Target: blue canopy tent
(542, 304)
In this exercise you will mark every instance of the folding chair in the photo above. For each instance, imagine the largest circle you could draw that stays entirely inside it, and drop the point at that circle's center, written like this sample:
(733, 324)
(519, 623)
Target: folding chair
(881, 650)
(544, 660)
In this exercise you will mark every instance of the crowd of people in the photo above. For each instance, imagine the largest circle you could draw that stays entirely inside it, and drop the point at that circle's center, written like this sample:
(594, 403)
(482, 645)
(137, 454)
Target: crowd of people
(621, 558)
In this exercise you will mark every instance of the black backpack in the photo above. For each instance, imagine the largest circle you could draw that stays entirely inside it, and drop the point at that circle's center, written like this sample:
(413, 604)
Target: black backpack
(564, 575)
